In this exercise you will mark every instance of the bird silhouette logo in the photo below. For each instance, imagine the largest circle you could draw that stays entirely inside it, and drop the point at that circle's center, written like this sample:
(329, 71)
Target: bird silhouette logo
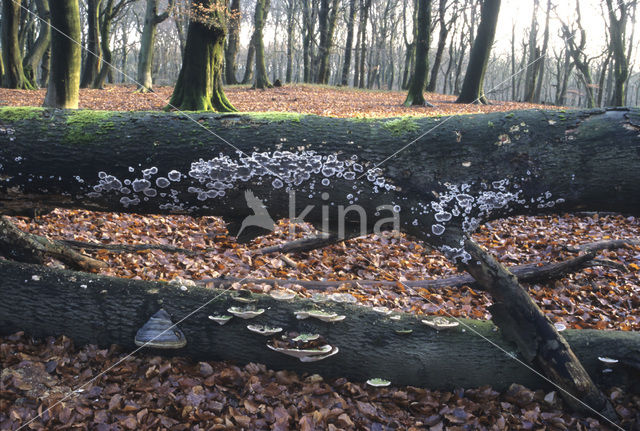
(261, 217)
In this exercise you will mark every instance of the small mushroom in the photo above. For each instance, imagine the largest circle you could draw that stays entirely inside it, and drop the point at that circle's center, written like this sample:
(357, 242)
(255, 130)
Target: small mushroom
(160, 332)
(560, 326)
(245, 313)
(243, 295)
(607, 360)
(378, 382)
(221, 320)
(440, 323)
(325, 316)
(264, 330)
(283, 295)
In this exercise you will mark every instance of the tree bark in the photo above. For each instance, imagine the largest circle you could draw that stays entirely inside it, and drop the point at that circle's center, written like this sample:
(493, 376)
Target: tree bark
(472, 90)
(233, 44)
(147, 41)
(64, 83)
(105, 310)
(36, 53)
(199, 85)
(525, 162)
(13, 76)
(262, 10)
(346, 66)
(415, 95)
(327, 17)
(442, 41)
(94, 56)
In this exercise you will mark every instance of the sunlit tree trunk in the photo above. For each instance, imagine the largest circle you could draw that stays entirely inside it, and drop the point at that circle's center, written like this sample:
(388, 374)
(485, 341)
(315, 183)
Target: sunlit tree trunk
(472, 90)
(13, 76)
(199, 85)
(147, 41)
(64, 82)
(233, 44)
(37, 52)
(262, 10)
(415, 95)
(94, 56)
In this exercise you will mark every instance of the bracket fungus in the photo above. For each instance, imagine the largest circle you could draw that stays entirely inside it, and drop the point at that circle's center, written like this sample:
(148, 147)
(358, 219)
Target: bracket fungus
(221, 320)
(305, 347)
(606, 360)
(283, 295)
(325, 316)
(440, 323)
(245, 313)
(404, 331)
(378, 382)
(243, 295)
(343, 298)
(159, 332)
(382, 310)
(264, 330)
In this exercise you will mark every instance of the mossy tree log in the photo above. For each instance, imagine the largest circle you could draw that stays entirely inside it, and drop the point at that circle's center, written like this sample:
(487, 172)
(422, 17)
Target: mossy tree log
(104, 310)
(439, 190)
(199, 85)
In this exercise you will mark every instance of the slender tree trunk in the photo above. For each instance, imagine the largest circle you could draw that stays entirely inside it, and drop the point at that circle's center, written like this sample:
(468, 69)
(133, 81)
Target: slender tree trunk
(442, 41)
(248, 71)
(531, 73)
(93, 56)
(45, 66)
(472, 87)
(543, 54)
(346, 66)
(41, 45)
(415, 96)
(64, 82)
(262, 10)
(147, 41)
(13, 76)
(199, 85)
(233, 43)
(327, 22)
(105, 20)
(364, 18)
(620, 61)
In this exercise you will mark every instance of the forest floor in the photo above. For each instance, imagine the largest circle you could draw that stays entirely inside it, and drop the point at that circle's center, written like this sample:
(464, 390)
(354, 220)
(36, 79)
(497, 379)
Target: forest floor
(302, 98)
(147, 392)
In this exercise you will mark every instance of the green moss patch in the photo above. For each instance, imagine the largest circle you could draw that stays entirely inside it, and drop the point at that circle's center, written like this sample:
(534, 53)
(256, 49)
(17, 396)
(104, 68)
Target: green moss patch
(83, 125)
(20, 113)
(400, 126)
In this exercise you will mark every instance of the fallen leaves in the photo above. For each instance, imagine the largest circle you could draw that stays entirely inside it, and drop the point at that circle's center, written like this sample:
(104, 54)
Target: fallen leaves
(301, 98)
(222, 396)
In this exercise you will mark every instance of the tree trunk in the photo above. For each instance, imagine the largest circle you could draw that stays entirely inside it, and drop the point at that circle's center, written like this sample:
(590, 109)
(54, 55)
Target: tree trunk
(233, 44)
(105, 20)
(472, 90)
(262, 10)
(346, 66)
(64, 83)
(327, 17)
(364, 18)
(36, 53)
(543, 54)
(415, 96)
(442, 41)
(620, 61)
(94, 56)
(291, 12)
(531, 74)
(147, 41)
(105, 310)
(527, 162)
(13, 76)
(199, 85)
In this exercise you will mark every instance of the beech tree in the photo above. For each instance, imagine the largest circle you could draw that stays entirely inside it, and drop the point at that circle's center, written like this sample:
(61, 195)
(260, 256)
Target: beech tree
(199, 85)
(472, 86)
(37, 52)
(260, 17)
(93, 57)
(145, 56)
(415, 95)
(13, 76)
(233, 43)
(64, 82)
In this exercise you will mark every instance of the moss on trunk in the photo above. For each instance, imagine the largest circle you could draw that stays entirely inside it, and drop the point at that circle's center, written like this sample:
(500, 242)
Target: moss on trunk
(199, 85)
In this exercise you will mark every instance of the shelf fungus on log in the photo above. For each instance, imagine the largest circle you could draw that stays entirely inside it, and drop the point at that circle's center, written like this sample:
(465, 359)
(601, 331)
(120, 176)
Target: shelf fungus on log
(220, 320)
(378, 383)
(246, 313)
(320, 315)
(264, 330)
(160, 333)
(440, 323)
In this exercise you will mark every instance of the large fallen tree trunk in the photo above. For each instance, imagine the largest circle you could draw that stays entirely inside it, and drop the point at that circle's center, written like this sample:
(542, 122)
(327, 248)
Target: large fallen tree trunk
(105, 310)
(251, 170)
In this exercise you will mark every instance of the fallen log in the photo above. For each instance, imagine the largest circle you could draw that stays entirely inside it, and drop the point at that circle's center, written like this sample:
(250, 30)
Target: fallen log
(252, 170)
(104, 310)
